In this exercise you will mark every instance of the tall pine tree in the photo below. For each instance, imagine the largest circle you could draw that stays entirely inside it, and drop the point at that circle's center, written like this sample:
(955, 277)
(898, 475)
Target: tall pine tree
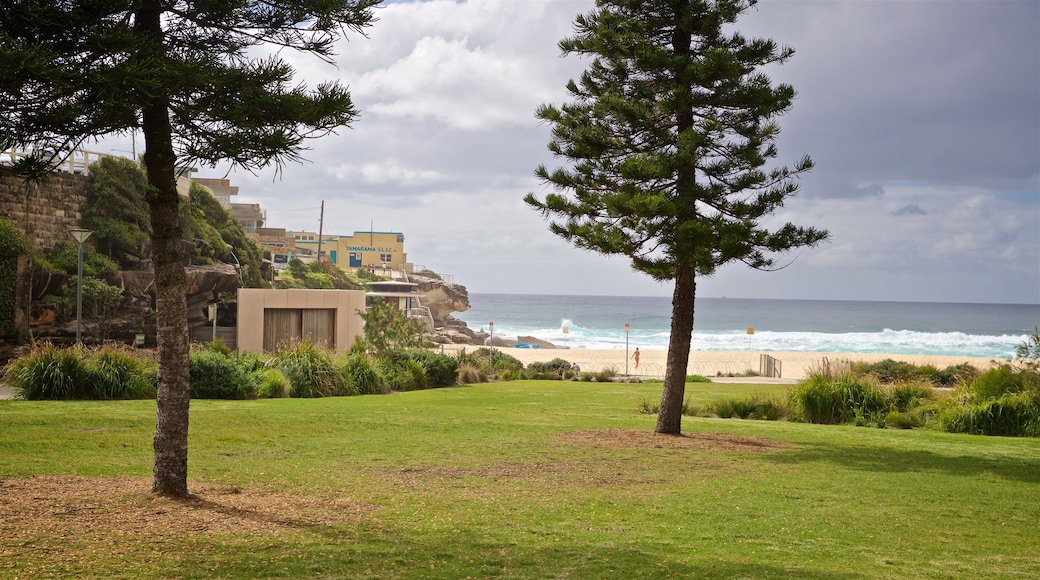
(668, 138)
(186, 74)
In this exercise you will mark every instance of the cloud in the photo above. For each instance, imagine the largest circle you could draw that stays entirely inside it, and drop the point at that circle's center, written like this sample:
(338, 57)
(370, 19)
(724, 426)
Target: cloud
(923, 119)
(910, 209)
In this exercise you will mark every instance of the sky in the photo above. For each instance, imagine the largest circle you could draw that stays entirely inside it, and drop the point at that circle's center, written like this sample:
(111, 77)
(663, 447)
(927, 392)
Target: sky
(923, 119)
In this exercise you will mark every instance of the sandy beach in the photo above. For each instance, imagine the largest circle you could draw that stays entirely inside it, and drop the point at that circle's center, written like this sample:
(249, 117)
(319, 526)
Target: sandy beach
(792, 365)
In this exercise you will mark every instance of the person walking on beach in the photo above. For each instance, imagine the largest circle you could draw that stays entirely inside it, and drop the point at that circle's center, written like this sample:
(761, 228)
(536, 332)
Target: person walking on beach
(635, 356)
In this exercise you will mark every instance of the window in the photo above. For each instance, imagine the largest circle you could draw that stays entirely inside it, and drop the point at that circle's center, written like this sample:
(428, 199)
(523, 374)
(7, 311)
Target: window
(386, 258)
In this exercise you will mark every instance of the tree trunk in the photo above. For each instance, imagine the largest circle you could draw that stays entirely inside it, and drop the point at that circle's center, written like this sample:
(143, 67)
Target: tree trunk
(669, 417)
(170, 471)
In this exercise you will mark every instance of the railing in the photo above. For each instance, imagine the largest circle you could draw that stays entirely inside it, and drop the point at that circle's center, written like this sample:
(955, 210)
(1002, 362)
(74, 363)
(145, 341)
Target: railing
(769, 366)
(78, 161)
(448, 279)
(421, 312)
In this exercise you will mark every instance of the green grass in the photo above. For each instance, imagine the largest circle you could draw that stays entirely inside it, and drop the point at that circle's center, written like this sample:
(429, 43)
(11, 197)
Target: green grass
(482, 481)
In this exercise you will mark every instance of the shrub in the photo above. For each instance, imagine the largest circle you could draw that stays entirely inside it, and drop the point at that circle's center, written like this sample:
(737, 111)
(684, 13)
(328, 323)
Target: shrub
(887, 371)
(1014, 415)
(470, 374)
(271, 383)
(12, 245)
(997, 382)
(504, 363)
(362, 375)
(441, 370)
(844, 401)
(766, 409)
(899, 420)
(117, 373)
(907, 396)
(215, 376)
(310, 370)
(403, 375)
(50, 373)
(552, 369)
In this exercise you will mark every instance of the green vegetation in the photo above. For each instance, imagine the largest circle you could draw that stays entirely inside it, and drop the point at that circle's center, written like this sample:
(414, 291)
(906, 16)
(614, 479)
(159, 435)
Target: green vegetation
(389, 329)
(12, 245)
(218, 235)
(319, 275)
(101, 302)
(64, 257)
(47, 372)
(116, 209)
(670, 153)
(1004, 400)
(521, 479)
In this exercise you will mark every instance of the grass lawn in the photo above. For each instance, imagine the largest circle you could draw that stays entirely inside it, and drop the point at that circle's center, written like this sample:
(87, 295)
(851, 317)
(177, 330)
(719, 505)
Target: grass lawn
(526, 479)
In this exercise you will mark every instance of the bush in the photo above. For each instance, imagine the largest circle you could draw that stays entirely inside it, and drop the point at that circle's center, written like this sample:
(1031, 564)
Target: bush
(441, 370)
(403, 375)
(271, 384)
(12, 245)
(50, 373)
(117, 373)
(765, 409)
(470, 374)
(362, 375)
(1013, 415)
(553, 369)
(504, 363)
(215, 376)
(847, 400)
(910, 395)
(999, 381)
(310, 370)
(47, 372)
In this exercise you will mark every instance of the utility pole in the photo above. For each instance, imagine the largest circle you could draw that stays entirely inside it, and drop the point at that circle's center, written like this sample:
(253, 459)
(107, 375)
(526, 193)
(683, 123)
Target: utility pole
(321, 224)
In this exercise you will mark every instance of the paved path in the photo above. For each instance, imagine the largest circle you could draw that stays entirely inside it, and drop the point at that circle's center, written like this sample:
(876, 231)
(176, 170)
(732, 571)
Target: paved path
(754, 380)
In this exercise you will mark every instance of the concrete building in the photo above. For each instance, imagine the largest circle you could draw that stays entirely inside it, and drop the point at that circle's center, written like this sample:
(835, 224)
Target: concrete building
(269, 319)
(363, 249)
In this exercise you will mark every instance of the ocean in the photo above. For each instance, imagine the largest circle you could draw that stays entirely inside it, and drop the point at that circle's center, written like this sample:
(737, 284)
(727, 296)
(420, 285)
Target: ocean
(598, 322)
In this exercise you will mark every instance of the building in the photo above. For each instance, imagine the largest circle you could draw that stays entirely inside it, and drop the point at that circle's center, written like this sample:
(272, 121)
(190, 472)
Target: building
(269, 319)
(363, 249)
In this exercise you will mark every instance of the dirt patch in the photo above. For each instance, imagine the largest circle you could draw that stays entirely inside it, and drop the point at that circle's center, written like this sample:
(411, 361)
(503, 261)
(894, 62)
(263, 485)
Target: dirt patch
(639, 439)
(62, 505)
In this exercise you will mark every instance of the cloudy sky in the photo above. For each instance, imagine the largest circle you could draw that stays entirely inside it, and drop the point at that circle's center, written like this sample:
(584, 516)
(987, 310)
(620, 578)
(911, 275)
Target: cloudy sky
(923, 118)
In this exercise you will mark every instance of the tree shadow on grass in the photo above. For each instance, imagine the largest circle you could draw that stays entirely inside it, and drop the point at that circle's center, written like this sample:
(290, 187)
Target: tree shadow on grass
(472, 555)
(887, 460)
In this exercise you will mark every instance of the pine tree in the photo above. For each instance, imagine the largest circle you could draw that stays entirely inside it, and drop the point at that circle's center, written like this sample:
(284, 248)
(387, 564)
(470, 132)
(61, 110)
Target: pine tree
(667, 138)
(185, 74)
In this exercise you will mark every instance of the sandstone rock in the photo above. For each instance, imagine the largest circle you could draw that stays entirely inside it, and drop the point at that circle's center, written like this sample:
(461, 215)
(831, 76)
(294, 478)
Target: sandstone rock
(533, 341)
(442, 298)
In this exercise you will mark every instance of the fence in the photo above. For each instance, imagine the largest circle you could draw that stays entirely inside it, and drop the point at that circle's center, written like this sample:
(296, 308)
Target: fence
(77, 162)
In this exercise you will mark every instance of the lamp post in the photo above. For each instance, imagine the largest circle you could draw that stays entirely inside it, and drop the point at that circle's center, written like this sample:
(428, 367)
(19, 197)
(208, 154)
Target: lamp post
(491, 353)
(627, 328)
(80, 235)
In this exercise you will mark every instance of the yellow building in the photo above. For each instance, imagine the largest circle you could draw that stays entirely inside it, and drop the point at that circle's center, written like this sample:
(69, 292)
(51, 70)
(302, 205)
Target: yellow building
(363, 249)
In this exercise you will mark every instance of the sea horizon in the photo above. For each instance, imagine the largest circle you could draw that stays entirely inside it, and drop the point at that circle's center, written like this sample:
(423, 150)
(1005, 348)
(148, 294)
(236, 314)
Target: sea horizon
(770, 324)
(724, 297)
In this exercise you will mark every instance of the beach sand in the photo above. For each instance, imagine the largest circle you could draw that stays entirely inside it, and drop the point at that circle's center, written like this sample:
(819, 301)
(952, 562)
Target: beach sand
(792, 365)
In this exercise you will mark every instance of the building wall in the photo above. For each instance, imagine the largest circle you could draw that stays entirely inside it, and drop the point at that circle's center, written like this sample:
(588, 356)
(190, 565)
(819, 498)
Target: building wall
(46, 212)
(360, 250)
(253, 301)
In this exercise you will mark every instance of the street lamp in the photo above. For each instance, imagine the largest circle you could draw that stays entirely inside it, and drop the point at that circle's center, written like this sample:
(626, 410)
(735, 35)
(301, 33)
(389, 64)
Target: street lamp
(80, 235)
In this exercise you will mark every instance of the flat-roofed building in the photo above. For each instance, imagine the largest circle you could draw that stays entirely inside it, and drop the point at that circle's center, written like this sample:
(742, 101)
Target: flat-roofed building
(375, 250)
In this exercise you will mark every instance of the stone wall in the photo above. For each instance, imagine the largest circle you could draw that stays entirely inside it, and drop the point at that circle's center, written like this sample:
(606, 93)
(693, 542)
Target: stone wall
(45, 212)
